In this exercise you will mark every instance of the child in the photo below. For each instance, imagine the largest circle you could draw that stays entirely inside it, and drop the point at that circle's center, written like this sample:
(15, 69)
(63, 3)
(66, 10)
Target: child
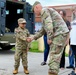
(21, 34)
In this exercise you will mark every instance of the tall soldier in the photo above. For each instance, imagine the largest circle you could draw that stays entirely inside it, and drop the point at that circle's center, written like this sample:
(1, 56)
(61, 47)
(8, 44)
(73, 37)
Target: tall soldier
(21, 34)
(57, 33)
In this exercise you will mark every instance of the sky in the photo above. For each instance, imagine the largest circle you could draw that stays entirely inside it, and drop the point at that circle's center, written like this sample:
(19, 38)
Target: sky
(53, 2)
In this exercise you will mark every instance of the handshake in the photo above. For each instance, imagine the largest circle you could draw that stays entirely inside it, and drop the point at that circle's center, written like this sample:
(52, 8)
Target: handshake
(29, 39)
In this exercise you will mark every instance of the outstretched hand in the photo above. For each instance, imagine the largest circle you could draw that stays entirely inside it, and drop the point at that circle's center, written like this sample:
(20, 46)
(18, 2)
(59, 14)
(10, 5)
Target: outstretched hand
(29, 39)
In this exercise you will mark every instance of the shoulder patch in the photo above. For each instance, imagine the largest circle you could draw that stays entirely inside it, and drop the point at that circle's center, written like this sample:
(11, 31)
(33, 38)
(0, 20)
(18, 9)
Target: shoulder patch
(45, 13)
(17, 30)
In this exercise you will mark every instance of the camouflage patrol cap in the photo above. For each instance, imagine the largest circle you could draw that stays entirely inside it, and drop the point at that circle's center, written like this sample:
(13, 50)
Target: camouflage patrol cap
(21, 20)
(37, 2)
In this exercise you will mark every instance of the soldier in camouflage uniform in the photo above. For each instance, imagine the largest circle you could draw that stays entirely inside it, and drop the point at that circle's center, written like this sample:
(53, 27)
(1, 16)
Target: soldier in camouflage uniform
(57, 33)
(21, 34)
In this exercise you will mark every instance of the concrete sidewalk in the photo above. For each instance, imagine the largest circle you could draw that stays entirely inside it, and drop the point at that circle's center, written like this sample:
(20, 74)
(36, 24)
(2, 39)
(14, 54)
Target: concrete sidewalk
(34, 64)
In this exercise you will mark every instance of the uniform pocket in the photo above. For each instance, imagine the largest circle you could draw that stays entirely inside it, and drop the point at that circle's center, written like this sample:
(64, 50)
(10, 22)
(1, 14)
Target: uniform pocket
(59, 40)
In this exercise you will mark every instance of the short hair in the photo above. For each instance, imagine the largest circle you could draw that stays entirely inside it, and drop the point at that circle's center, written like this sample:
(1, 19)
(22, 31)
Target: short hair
(64, 12)
(74, 8)
(37, 2)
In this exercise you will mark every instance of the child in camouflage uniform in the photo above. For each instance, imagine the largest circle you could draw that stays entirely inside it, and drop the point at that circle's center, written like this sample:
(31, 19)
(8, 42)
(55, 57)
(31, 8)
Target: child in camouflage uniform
(21, 34)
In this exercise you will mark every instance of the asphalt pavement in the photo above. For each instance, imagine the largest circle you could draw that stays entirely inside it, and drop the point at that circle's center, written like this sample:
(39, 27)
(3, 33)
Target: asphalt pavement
(34, 64)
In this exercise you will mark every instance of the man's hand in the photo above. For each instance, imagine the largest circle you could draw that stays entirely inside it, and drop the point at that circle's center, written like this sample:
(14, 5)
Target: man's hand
(67, 42)
(27, 49)
(49, 41)
(29, 39)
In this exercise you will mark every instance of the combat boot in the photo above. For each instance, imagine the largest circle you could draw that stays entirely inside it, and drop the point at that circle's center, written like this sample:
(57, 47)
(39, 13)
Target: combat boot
(15, 71)
(26, 70)
(49, 73)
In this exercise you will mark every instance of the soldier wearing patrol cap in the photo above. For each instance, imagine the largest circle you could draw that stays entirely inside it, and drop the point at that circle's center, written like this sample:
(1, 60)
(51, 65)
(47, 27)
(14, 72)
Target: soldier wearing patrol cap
(57, 33)
(21, 34)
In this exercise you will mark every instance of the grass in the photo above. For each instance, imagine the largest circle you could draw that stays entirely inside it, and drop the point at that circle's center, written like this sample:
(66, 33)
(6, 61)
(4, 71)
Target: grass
(34, 48)
(66, 55)
(13, 49)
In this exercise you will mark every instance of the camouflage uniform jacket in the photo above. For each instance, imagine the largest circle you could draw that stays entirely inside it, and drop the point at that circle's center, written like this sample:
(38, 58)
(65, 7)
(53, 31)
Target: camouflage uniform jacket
(21, 35)
(53, 24)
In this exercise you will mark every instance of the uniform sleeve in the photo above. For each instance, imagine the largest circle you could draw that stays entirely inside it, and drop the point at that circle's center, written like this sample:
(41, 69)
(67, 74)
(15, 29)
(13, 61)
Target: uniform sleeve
(20, 35)
(28, 45)
(39, 34)
(28, 33)
(48, 23)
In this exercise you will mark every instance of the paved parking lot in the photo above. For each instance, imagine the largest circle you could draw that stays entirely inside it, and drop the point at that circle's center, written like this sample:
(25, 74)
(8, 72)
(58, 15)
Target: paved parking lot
(34, 61)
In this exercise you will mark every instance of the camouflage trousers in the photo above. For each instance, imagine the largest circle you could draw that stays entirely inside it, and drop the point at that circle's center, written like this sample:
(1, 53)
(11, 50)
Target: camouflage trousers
(56, 50)
(20, 54)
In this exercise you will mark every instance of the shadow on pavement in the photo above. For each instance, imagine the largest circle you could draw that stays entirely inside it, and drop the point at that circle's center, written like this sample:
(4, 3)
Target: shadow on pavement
(6, 52)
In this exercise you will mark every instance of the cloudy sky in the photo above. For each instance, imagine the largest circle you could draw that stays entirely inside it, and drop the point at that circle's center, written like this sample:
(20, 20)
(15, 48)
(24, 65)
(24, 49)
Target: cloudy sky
(53, 2)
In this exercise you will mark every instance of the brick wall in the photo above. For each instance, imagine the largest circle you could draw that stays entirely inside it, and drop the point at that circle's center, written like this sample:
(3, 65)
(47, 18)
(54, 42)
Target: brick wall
(67, 8)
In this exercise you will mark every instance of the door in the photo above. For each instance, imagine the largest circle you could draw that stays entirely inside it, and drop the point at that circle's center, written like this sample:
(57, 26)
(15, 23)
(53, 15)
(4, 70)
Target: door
(29, 16)
(2, 16)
